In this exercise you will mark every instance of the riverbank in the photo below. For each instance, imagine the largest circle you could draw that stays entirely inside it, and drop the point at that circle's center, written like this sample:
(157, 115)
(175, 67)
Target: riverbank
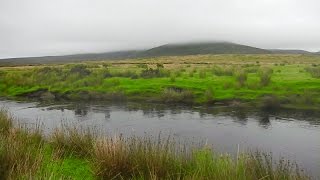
(267, 81)
(78, 154)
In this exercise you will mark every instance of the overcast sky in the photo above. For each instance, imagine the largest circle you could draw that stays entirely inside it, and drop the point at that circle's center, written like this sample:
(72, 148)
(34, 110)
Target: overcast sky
(52, 27)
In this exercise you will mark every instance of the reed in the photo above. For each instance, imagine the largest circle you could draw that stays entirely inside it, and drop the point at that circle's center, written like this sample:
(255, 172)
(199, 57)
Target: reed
(26, 154)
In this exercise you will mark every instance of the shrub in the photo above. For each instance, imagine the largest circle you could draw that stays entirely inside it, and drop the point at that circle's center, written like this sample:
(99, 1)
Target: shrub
(314, 71)
(144, 66)
(174, 94)
(202, 74)
(159, 65)
(126, 73)
(241, 77)
(172, 78)
(209, 95)
(228, 85)
(270, 102)
(226, 71)
(265, 76)
(153, 73)
(191, 73)
(81, 69)
(253, 69)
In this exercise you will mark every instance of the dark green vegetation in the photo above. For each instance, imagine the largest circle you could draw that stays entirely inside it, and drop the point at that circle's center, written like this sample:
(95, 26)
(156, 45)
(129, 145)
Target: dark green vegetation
(203, 48)
(200, 48)
(71, 153)
(270, 81)
(289, 51)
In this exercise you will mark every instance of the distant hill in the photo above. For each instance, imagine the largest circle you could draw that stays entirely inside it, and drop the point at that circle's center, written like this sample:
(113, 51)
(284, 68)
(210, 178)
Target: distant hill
(164, 50)
(71, 58)
(203, 48)
(289, 51)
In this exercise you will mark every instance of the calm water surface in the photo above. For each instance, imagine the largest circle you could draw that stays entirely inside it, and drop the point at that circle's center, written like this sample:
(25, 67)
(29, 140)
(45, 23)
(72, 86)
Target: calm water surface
(291, 134)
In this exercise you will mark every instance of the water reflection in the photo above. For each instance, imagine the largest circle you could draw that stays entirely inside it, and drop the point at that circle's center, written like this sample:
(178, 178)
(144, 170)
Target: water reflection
(264, 120)
(294, 133)
(239, 115)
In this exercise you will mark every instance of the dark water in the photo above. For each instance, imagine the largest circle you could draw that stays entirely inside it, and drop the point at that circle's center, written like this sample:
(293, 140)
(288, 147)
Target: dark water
(290, 134)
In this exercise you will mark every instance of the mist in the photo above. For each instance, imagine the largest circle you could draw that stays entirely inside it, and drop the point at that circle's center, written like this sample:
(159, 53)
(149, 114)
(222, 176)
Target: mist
(43, 27)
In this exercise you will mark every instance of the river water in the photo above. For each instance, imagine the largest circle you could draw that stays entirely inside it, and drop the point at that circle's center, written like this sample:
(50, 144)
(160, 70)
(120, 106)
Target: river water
(287, 133)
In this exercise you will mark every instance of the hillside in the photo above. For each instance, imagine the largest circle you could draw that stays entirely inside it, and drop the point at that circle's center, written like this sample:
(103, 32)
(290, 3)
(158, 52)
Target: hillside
(164, 50)
(70, 58)
(289, 51)
(203, 48)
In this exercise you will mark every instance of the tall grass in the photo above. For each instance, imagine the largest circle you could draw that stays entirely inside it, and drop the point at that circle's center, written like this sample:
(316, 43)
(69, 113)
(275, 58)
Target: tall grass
(241, 77)
(265, 76)
(314, 71)
(176, 95)
(24, 155)
(72, 141)
(145, 158)
(223, 71)
(20, 150)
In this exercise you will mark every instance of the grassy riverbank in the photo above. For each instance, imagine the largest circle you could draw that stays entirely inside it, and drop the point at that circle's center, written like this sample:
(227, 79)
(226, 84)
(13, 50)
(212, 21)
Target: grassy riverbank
(268, 80)
(76, 154)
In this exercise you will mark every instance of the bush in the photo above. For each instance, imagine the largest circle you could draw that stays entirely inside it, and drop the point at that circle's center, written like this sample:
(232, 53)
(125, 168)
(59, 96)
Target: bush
(253, 69)
(265, 76)
(154, 73)
(81, 69)
(144, 66)
(126, 73)
(177, 95)
(226, 71)
(209, 95)
(202, 74)
(314, 71)
(270, 102)
(172, 78)
(191, 73)
(160, 65)
(241, 77)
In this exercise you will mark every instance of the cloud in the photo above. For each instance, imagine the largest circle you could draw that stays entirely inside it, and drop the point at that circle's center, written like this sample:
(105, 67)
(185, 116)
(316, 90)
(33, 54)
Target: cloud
(44, 27)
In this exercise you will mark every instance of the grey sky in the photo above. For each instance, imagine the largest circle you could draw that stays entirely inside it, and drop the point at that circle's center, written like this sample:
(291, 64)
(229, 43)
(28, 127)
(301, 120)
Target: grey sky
(51, 27)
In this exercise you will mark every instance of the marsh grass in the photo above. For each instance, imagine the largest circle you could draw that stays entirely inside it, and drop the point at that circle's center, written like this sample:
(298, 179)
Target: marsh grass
(314, 71)
(5, 122)
(265, 76)
(26, 154)
(241, 77)
(72, 141)
(120, 157)
(223, 71)
(202, 74)
(209, 95)
(270, 102)
(20, 149)
(234, 77)
(176, 95)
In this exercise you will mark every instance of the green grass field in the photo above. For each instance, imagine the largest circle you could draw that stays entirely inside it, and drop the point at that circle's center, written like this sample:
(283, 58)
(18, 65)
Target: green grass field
(71, 153)
(291, 81)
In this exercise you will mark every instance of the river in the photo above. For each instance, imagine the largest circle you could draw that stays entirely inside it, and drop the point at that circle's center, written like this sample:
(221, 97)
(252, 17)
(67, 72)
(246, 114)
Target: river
(287, 133)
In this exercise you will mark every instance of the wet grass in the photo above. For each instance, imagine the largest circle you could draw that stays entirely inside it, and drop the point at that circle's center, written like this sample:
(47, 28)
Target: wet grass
(245, 78)
(76, 154)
